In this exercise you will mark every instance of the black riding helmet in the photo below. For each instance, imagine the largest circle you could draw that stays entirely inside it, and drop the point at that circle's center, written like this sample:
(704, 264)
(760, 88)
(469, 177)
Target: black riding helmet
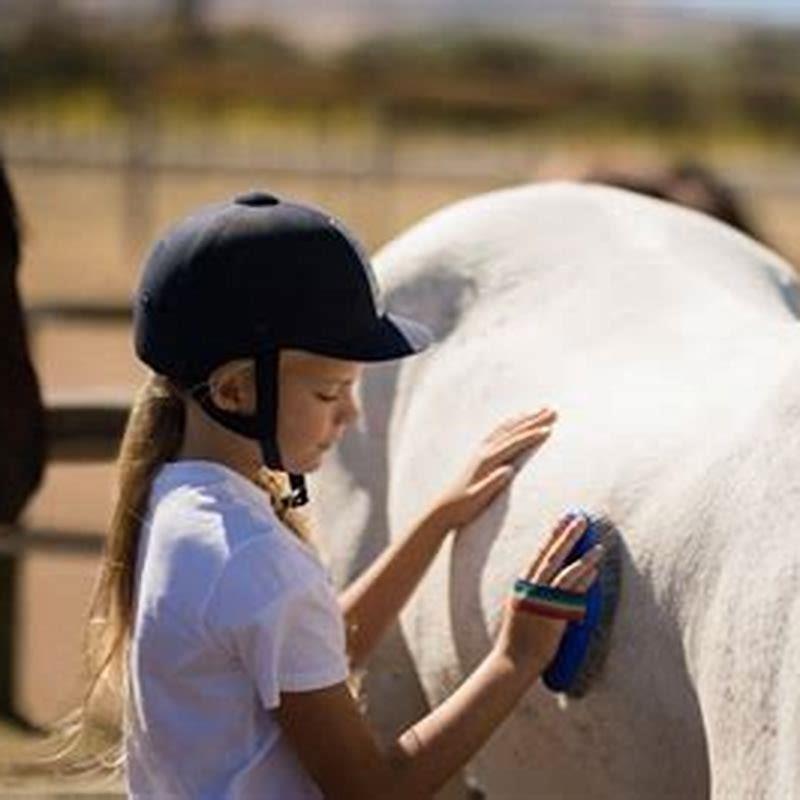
(247, 278)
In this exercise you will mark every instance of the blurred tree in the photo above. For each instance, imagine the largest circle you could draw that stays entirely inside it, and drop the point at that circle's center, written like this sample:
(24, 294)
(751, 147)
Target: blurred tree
(188, 23)
(458, 54)
(769, 52)
(768, 78)
(773, 104)
(664, 100)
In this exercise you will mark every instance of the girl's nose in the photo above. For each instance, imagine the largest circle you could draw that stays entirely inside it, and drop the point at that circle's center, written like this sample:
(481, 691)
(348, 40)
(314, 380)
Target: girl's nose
(349, 410)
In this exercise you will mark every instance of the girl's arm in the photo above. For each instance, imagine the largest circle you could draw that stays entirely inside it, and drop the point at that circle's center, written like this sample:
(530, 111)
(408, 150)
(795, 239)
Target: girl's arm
(373, 601)
(339, 750)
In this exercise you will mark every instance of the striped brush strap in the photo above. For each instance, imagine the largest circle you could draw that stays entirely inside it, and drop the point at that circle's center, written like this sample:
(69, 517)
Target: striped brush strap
(547, 601)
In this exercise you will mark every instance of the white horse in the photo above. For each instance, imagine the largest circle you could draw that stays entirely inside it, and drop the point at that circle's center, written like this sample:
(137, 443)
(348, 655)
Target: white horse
(670, 346)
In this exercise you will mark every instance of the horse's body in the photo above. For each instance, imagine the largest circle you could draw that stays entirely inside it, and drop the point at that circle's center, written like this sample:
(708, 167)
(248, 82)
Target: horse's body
(22, 418)
(22, 439)
(670, 346)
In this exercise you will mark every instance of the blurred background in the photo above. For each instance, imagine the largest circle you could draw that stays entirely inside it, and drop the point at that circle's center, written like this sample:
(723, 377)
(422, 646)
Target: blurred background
(119, 116)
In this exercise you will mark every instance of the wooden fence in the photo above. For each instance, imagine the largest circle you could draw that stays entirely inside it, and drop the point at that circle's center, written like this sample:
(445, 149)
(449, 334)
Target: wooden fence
(79, 429)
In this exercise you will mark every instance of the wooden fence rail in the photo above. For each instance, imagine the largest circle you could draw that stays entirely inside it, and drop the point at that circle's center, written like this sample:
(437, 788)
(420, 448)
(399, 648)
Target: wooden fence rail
(80, 428)
(20, 541)
(76, 311)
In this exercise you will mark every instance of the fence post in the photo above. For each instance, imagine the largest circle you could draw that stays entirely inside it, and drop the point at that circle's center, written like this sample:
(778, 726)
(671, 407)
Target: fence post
(141, 120)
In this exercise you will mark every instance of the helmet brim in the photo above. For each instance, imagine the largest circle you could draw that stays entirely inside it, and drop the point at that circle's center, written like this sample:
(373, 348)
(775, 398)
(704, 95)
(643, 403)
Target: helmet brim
(393, 336)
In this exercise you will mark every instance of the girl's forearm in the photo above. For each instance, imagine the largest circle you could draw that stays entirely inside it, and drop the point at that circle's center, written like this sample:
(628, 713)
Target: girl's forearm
(429, 753)
(374, 599)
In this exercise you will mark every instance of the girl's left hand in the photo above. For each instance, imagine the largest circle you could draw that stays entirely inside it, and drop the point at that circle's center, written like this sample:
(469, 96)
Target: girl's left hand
(490, 471)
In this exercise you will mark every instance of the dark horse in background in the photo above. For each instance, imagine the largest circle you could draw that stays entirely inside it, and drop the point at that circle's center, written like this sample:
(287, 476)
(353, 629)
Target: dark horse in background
(22, 435)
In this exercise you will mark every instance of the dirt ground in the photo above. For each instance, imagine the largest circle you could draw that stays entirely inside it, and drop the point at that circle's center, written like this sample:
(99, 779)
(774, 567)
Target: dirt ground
(81, 246)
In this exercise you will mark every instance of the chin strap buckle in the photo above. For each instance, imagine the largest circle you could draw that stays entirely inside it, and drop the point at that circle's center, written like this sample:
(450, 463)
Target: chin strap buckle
(299, 493)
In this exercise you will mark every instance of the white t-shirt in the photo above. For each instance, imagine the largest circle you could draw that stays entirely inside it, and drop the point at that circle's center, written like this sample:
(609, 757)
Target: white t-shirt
(231, 610)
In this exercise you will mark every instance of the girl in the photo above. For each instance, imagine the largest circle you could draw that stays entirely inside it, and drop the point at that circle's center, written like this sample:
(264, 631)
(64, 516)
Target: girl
(212, 613)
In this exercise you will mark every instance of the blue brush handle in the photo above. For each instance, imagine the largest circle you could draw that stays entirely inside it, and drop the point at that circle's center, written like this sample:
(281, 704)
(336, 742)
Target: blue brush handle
(561, 671)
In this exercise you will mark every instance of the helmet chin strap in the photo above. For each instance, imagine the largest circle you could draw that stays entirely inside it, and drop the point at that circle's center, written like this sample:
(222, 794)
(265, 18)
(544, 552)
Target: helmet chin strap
(261, 426)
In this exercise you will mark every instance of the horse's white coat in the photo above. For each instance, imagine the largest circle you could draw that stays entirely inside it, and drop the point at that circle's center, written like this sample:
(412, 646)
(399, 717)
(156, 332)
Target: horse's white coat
(671, 348)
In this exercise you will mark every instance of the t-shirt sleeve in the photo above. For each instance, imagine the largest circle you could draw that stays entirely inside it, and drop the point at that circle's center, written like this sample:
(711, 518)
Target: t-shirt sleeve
(292, 642)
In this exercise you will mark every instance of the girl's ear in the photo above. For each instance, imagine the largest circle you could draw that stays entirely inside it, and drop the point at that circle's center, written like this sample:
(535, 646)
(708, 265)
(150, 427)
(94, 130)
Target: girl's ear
(232, 387)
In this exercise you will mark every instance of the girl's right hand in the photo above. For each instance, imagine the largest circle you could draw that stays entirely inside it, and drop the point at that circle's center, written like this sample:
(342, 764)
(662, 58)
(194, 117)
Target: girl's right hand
(531, 641)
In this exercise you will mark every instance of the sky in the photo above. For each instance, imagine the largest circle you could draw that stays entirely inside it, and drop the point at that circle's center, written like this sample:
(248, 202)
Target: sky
(339, 21)
(767, 10)
(331, 24)
(763, 10)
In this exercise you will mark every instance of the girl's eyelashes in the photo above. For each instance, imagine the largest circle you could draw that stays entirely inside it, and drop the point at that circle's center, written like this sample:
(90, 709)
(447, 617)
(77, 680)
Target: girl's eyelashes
(327, 398)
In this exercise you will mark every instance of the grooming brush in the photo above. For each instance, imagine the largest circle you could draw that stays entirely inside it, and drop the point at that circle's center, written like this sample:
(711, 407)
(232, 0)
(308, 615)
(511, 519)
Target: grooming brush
(585, 644)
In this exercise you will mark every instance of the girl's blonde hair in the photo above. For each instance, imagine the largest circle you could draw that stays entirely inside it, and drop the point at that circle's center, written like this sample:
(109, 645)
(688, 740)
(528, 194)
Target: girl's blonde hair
(90, 739)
